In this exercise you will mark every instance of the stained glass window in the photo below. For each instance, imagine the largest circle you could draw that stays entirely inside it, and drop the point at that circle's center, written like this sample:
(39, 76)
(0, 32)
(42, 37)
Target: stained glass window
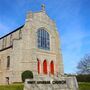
(43, 39)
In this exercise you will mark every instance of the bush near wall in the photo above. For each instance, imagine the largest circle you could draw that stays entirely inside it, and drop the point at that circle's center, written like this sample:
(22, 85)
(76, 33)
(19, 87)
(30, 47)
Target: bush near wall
(27, 75)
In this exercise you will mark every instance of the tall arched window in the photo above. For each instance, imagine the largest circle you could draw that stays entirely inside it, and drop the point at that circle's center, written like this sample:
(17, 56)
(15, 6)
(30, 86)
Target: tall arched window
(43, 39)
(38, 66)
(52, 67)
(8, 62)
(45, 67)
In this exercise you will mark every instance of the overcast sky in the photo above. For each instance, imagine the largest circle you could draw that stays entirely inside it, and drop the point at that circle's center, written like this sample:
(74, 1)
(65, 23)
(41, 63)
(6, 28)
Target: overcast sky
(71, 16)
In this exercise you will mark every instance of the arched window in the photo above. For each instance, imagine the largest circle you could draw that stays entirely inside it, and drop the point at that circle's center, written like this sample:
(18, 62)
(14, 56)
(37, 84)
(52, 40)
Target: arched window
(52, 67)
(38, 66)
(45, 67)
(43, 39)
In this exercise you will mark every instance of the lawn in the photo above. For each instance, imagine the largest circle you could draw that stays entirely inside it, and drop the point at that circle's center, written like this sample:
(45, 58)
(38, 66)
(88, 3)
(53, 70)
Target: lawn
(12, 87)
(82, 86)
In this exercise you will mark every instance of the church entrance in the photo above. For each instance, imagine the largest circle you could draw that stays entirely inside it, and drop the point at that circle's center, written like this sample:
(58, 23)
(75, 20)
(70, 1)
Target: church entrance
(52, 67)
(7, 80)
(45, 67)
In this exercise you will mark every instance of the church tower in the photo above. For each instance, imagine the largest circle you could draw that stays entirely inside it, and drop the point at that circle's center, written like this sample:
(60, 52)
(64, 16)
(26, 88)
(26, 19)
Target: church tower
(44, 42)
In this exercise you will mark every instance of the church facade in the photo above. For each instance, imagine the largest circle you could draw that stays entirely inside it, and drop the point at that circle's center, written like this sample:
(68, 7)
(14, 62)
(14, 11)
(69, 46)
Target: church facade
(35, 46)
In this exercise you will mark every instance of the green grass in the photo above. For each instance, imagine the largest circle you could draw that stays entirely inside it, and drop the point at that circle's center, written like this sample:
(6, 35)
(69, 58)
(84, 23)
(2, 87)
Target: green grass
(11, 87)
(84, 86)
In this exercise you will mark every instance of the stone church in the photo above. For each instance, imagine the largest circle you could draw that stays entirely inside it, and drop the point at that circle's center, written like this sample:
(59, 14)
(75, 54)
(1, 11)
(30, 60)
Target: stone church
(34, 46)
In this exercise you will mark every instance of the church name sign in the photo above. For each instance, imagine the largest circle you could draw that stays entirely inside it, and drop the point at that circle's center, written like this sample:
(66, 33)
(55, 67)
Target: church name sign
(47, 82)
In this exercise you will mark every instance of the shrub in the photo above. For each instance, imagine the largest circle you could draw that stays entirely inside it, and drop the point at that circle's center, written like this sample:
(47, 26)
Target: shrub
(27, 75)
(83, 78)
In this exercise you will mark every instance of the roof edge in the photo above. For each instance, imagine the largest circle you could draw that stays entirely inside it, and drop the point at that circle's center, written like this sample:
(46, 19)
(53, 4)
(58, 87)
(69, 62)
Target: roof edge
(12, 31)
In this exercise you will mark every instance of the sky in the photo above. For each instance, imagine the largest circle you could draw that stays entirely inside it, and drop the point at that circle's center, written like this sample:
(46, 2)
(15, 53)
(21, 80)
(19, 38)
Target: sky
(72, 18)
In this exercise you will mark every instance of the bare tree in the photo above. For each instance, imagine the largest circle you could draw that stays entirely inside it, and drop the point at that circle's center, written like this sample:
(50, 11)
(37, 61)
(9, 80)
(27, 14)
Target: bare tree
(84, 65)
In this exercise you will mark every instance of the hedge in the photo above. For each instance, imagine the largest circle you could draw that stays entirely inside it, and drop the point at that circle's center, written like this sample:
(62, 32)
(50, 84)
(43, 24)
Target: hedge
(83, 78)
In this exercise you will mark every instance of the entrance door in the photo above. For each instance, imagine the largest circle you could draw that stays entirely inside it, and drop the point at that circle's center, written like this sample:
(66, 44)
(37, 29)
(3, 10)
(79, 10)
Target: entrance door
(45, 67)
(7, 80)
(52, 67)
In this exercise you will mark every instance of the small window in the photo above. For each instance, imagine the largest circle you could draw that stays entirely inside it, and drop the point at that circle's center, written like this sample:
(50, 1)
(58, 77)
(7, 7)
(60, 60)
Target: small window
(11, 39)
(20, 34)
(8, 62)
(3, 42)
